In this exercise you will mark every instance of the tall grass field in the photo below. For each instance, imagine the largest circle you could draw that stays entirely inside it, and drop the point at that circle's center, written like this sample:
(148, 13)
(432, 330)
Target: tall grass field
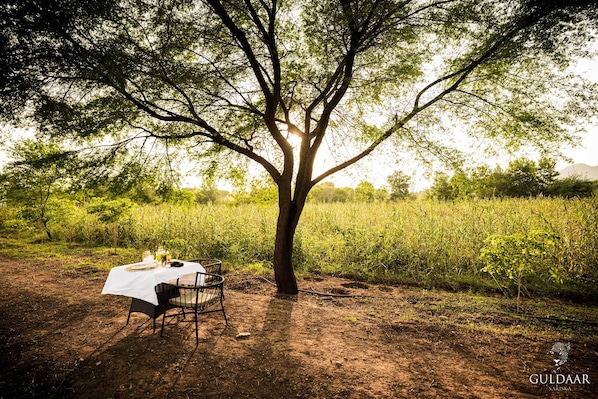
(414, 241)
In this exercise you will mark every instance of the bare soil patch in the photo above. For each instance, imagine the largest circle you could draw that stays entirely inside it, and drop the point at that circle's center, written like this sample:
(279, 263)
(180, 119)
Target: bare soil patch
(61, 339)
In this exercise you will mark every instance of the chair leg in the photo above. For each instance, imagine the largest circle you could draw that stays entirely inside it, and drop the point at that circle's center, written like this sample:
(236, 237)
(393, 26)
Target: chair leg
(196, 330)
(163, 318)
(223, 312)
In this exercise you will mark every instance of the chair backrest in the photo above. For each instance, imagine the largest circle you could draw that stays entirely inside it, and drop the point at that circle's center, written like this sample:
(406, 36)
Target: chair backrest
(213, 266)
(199, 291)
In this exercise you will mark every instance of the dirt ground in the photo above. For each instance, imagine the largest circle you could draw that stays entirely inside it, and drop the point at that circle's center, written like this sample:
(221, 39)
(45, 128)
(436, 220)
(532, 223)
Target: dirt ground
(59, 338)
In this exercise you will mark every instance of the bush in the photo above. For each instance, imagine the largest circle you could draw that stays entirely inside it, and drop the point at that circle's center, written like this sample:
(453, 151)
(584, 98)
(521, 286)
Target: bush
(517, 256)
(570, 187)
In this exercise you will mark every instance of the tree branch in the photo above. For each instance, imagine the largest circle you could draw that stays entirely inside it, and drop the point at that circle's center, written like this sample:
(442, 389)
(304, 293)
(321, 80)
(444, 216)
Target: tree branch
(461, 75)
(272, 97)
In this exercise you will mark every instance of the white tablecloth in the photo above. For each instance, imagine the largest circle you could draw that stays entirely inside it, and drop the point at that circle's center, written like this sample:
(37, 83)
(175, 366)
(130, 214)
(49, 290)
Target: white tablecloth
(141, 284)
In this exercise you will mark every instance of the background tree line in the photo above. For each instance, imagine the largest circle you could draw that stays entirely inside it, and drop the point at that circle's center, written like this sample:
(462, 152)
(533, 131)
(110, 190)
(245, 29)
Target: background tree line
(521, 178)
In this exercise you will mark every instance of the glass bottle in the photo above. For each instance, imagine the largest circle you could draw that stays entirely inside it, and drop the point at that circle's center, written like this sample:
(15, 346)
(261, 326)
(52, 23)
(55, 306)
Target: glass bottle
(161, 256)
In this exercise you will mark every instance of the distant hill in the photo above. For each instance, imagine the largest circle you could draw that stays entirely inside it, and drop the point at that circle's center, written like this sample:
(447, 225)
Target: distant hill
(580, 170)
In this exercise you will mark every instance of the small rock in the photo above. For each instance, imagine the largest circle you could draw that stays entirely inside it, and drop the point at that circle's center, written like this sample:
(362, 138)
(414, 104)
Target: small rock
(243, 335)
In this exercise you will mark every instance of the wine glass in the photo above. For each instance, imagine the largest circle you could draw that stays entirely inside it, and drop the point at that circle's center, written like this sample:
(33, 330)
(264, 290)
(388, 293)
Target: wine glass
(148, 257)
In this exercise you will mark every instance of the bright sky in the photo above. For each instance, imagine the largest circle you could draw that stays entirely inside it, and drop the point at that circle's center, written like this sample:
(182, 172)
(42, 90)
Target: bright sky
(376, 169)
(587, 154)
(376, 172)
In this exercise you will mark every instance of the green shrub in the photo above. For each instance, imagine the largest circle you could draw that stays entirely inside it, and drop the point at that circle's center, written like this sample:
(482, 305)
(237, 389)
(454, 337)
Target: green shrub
(517, 256)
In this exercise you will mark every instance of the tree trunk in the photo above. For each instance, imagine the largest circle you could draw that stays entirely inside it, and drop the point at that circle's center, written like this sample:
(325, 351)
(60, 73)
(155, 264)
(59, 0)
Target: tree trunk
(115, 236)
(44, 222)
(284, 274)
(47, 230)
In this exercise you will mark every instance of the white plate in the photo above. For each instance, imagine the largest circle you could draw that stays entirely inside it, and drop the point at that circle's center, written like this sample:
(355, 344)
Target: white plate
(140, 267)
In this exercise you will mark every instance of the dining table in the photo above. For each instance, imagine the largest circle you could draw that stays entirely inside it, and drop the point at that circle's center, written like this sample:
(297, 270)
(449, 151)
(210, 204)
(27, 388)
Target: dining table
(139, 281)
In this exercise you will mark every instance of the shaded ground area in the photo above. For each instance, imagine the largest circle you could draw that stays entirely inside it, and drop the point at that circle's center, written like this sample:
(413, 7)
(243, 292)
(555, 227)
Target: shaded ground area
(60, 338)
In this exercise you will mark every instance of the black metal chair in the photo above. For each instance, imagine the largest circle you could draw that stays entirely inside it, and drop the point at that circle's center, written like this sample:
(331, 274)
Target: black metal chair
(200, 292)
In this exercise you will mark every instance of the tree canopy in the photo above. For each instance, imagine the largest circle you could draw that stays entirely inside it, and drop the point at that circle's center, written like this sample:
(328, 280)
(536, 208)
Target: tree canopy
(36, 172)
(303, 88)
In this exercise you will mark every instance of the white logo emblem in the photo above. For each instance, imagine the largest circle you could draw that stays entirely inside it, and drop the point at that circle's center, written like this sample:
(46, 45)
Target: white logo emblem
(562, 352)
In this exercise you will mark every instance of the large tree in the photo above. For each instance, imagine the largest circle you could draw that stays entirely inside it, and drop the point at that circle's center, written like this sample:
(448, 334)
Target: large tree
(283, 81)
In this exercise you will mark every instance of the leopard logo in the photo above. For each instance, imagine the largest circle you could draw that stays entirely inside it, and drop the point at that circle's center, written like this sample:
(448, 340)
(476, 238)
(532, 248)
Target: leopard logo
(562, 352)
